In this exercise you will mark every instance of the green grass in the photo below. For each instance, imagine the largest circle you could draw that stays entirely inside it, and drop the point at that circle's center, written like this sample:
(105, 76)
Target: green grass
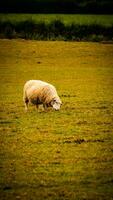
(106, 20)
(57, 155)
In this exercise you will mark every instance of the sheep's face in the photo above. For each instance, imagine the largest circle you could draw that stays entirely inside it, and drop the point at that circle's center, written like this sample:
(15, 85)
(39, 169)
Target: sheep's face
(56, 104)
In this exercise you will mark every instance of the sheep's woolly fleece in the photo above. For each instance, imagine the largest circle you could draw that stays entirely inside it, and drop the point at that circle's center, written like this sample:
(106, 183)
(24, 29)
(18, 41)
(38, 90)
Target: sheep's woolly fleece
(39, 92)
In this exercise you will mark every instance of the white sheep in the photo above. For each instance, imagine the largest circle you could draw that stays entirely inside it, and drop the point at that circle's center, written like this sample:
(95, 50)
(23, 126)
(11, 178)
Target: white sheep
(39, 92)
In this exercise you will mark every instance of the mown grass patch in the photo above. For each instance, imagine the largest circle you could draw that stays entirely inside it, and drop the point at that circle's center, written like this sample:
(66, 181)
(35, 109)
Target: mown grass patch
(81, 19)
(57, 155)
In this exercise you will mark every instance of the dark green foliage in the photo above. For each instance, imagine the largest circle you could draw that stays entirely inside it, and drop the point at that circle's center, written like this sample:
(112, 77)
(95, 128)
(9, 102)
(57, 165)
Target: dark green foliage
(55, 30)
(7, 29)
(30, 30)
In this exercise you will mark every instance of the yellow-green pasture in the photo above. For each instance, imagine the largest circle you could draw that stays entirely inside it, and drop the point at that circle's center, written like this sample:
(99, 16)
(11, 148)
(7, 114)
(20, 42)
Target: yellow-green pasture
(65, 155)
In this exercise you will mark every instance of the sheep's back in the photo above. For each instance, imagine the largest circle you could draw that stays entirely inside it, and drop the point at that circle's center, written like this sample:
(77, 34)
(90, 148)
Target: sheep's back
(36, 89)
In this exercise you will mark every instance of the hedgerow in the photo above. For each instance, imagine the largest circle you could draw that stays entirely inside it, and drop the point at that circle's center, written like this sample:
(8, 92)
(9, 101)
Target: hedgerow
(55, 30)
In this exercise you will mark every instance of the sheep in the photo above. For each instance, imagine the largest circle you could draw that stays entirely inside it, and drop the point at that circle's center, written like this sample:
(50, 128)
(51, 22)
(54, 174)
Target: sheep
(39, 92)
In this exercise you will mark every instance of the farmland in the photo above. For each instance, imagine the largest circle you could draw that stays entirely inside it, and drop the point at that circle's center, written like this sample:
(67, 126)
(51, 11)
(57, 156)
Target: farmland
(57, 155)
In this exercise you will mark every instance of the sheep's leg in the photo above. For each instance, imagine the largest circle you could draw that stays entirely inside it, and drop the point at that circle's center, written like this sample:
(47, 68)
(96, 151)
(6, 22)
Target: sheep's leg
(26, 102)
(45, 107)
(26, 107)
(37, 106)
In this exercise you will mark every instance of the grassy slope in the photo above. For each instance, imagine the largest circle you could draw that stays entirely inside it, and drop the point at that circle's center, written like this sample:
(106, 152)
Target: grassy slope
(67, 19)
(57, 155)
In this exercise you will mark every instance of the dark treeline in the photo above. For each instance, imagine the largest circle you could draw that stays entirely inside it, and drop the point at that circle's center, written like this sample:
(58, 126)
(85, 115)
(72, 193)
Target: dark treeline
(57, 6)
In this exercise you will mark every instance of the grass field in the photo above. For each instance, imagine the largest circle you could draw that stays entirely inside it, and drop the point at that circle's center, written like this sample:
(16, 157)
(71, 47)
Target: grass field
(106, 20)
(66, 155)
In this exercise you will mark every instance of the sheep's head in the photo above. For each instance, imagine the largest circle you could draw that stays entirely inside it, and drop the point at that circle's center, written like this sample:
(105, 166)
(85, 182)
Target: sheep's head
(56, 103)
